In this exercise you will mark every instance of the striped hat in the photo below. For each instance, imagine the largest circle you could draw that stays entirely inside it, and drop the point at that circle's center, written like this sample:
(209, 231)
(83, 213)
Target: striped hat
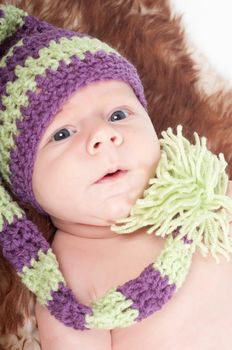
(40, 67)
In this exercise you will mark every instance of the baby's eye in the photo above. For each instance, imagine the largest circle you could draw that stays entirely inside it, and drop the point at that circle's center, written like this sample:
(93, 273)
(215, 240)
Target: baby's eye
(118, 115)
(62, 134)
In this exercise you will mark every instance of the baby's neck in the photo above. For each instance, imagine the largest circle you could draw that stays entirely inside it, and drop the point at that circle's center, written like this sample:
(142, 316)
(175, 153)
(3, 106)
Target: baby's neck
(101, 238)
(98, 234)
(100, 244)
(87, 231)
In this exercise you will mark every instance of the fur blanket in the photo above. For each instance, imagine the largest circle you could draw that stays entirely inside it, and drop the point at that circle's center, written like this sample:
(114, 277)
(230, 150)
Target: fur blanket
(178, 90)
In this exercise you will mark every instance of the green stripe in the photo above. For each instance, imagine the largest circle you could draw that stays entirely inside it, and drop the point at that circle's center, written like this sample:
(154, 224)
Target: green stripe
(10, 53)
(13, 18)
(8, 208)
(111, 311)
(174, 260)
(16, 91)
(43, 276)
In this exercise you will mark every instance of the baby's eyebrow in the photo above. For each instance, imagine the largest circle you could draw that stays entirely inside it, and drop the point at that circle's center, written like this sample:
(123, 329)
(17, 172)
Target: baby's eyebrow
(64, 112)
(52, 127)
(59, 117)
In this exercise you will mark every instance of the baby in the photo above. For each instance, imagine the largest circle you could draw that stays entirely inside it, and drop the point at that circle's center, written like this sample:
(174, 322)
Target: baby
(78, 145)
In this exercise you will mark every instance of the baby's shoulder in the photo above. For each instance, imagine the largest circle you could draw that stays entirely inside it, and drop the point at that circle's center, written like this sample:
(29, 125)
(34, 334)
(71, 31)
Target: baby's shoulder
(206, 303)
(198, 316)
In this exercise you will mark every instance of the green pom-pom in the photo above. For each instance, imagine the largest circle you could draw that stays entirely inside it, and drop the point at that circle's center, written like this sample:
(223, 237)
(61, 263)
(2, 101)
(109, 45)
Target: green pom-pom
(11, 20)
(188, 194)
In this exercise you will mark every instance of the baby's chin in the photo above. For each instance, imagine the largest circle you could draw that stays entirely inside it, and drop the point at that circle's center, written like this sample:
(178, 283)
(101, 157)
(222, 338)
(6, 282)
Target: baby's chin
(121, 207)
(117, 212)
(102, 213)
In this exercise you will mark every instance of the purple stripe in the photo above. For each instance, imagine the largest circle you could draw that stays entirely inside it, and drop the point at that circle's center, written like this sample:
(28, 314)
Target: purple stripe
(2, 14)
(31, 26)
(67, 309)
(185, 239)
(21, 242)
(54, 89)
(42, 33)
(149, 292)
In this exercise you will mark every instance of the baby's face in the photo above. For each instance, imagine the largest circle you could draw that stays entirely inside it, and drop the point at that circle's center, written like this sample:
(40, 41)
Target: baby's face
(101, 126)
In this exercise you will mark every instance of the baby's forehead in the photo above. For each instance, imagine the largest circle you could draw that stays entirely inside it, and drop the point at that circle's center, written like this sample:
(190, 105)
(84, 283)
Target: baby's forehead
(99, 98)
(110, 89)
(98, 95)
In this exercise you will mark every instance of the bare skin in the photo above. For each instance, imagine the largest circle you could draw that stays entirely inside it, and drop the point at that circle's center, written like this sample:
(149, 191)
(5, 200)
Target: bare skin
(91, 256)
(198, 316)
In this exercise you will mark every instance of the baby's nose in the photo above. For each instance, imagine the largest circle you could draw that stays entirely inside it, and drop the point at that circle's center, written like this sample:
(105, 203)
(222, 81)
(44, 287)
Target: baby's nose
(104, 136)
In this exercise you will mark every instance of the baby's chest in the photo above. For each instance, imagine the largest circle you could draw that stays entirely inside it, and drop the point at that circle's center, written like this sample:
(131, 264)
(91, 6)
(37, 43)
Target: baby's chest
(198, 317)
(200, 330)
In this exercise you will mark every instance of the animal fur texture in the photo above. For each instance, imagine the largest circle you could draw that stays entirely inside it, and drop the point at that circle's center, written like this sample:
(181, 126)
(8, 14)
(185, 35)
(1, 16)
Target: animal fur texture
(178, 91)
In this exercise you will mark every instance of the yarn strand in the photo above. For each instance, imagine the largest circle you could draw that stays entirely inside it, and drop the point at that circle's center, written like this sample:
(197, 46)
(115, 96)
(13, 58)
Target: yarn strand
(188, 194)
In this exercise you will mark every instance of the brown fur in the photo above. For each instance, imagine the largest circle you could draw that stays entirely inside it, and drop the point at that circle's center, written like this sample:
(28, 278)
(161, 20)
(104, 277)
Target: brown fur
(146, 33)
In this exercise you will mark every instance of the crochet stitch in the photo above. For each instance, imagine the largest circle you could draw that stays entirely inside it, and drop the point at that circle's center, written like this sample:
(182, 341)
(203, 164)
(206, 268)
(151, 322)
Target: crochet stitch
(186, 200)
(39, 71)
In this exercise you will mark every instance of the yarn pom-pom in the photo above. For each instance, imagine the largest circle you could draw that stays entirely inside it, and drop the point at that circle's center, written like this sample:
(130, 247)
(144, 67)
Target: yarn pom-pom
(187, 195)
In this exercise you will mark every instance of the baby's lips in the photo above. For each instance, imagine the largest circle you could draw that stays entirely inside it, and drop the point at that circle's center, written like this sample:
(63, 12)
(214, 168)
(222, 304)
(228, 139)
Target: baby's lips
(111, 170)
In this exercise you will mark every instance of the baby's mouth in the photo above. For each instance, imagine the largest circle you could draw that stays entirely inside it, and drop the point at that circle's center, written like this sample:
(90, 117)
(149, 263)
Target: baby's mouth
(112, 176)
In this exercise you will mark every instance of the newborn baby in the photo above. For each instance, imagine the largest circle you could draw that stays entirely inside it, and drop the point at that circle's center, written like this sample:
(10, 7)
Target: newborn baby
(78, 145)
(92, 258)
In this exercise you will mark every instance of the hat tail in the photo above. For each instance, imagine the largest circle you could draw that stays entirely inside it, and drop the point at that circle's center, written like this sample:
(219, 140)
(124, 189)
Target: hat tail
(24, 246)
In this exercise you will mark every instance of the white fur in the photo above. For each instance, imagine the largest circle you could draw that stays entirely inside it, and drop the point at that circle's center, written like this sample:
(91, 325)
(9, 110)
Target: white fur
(208, 31)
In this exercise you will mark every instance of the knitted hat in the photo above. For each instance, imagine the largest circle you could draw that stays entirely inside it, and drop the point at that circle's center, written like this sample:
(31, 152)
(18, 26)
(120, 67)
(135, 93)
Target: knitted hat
(40, 67)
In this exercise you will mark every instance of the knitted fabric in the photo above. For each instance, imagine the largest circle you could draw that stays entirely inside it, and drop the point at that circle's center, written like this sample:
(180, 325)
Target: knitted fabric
(186, 200)
(163, 202)
(41, 66)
